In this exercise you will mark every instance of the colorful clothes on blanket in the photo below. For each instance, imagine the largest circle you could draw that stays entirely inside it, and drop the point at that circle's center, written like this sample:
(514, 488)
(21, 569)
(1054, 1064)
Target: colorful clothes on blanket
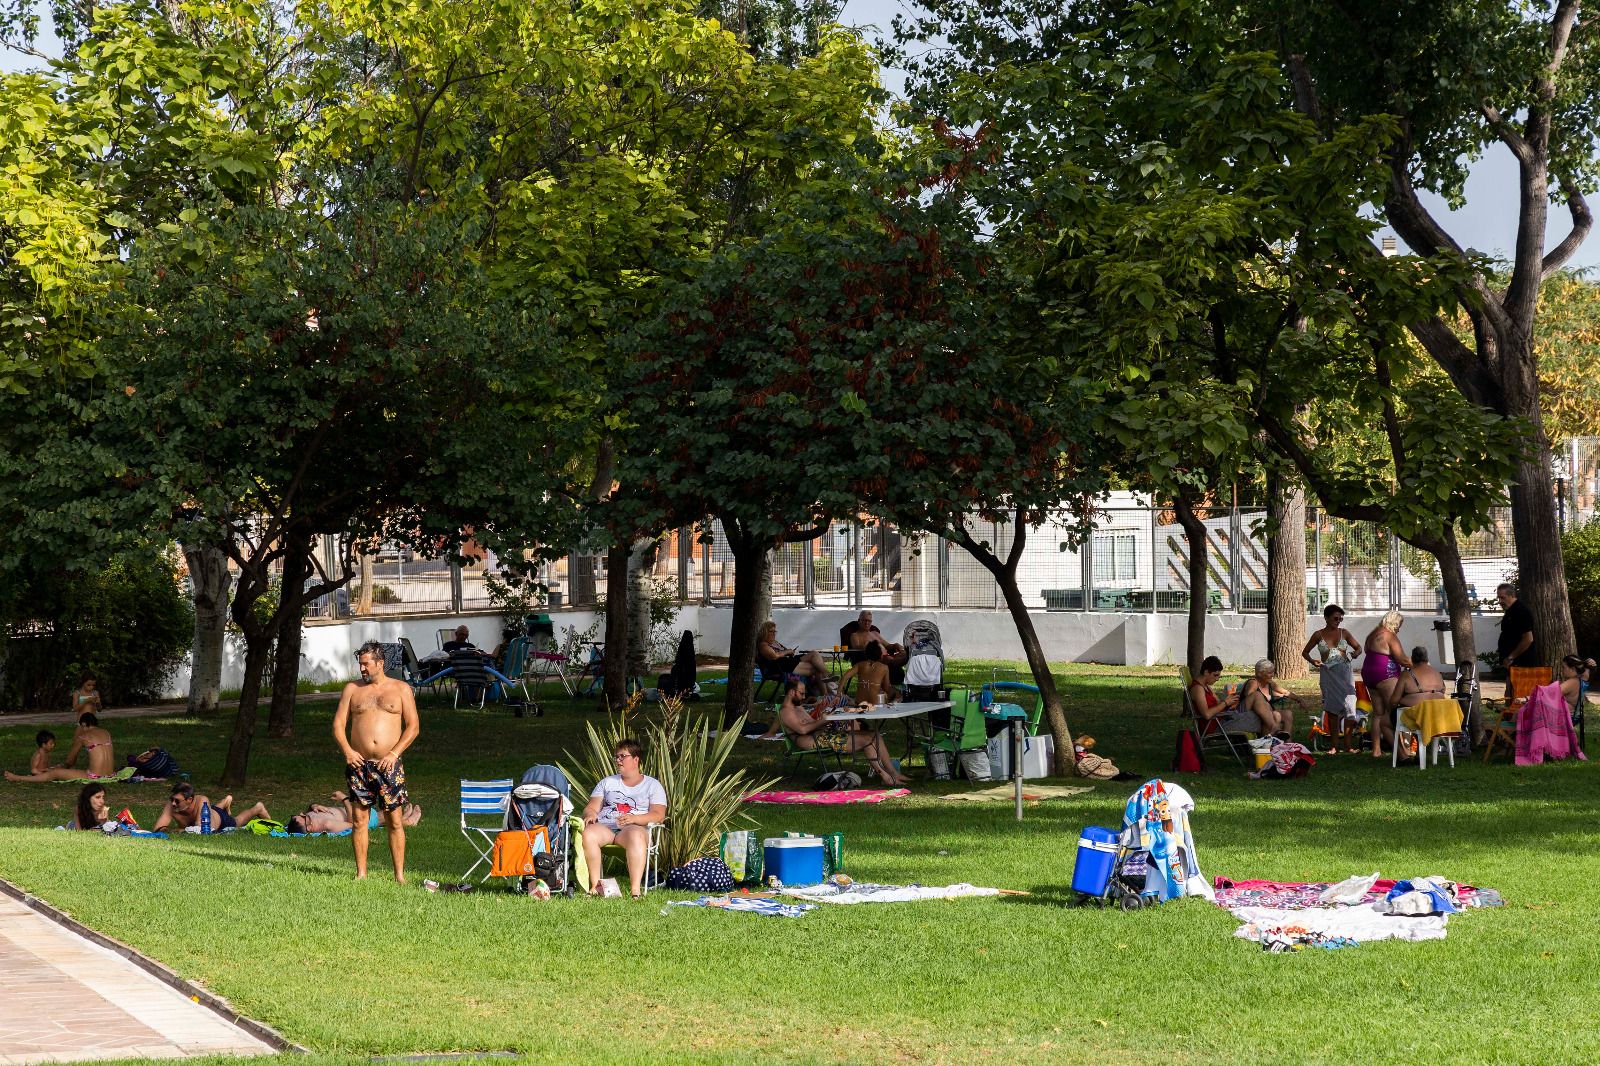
(864, 892)
(748, 904)
(849, 795)
(1306, 895)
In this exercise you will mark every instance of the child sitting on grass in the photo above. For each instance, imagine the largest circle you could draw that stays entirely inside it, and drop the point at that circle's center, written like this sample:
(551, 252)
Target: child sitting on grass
(41, 756)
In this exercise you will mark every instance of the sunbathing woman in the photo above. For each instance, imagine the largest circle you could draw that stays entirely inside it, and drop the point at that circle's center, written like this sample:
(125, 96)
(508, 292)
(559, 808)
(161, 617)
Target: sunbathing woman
(92, 811)
(1420, 681)
(779, 660)
(872, 677)
(1269, 701)
(1380, 669)
(1573, 672)
(844, 737)
(89, 737)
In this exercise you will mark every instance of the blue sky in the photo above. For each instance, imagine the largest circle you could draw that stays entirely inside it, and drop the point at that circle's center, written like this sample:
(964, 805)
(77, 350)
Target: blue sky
(1485, 222)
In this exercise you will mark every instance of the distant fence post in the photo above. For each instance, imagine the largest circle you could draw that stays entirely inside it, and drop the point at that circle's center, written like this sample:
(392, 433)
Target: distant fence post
(808, 573)
(1235, 556)
(683, 563)
(944, 571)
(455, 587)
(1396, 583)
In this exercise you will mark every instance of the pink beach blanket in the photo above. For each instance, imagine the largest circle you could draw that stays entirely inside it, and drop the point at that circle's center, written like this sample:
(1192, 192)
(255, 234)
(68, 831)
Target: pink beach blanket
(1544, 728)
(851, 795)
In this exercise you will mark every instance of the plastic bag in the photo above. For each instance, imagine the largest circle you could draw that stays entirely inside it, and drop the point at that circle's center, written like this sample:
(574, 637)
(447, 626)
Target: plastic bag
(1351, 890)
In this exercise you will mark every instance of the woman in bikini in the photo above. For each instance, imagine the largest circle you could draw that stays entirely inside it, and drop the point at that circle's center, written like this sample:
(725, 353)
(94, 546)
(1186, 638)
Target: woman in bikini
(1420, 681)
(810, 732)
(1269, 701)
(871, 676)
(1573, 672)
(90, 738)
(1224, 710)
(1380, 669)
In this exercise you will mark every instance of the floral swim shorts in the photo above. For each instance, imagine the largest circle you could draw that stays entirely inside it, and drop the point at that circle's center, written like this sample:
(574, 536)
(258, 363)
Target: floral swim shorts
(370, 786)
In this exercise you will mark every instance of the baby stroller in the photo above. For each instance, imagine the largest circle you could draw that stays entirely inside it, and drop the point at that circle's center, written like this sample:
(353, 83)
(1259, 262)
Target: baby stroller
(1152, 858)
(924, 660)
(542, 800)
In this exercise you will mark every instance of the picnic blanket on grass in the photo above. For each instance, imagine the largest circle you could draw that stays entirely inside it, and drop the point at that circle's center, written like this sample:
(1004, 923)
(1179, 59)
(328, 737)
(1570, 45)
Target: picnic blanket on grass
(864, 892)
(1008, 792)
(848, 795)
(748, 904)
(1291, 915)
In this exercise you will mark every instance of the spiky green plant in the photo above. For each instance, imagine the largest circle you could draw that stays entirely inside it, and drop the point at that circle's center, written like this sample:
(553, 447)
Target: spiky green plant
(703, 795)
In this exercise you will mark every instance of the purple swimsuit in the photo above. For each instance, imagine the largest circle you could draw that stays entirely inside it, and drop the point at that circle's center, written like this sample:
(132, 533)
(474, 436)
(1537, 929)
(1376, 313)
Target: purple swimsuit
(1378, 666)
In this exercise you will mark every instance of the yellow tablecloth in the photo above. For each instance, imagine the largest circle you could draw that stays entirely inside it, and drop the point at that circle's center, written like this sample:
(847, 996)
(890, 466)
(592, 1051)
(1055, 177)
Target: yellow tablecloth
(1432, 717)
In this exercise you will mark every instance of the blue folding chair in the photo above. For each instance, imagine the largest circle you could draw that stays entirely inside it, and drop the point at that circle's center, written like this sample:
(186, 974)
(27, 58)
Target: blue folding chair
(483, 817)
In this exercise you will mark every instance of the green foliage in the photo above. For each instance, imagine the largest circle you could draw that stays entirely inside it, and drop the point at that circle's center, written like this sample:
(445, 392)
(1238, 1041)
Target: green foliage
(128, 623)
(686, 749)
(1580, 550)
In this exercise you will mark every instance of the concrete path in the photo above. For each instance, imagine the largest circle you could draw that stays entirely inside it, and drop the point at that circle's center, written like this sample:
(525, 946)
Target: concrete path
(156, 710)
(64, 998)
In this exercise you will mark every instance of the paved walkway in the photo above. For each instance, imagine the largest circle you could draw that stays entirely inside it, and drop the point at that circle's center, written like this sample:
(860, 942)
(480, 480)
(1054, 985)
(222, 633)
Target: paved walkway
(64, 998)
(155, 710)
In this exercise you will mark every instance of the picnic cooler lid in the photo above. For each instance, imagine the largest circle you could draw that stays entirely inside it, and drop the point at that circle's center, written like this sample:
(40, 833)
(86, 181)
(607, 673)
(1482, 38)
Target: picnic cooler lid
(792, 842)
(1098, 839)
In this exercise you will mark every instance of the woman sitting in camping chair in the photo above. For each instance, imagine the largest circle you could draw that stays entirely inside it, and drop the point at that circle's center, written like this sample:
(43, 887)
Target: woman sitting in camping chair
(811, 729)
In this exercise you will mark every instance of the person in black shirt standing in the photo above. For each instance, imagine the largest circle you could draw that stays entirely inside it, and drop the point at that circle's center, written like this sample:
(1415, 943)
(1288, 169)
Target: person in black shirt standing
(1517, 646)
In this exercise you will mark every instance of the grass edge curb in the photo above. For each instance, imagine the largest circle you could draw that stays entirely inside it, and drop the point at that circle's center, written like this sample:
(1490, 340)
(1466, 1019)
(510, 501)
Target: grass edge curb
(211, 1002)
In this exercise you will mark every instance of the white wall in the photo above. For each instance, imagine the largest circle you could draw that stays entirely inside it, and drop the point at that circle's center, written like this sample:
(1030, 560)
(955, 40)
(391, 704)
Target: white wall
(329, 649)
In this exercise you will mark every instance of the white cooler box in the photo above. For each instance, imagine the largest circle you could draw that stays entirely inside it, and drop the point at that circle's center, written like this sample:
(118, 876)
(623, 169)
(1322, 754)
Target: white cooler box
(1038, 755)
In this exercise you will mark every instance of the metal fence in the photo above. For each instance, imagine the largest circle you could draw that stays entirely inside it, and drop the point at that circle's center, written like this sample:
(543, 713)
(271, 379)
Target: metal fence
(1136, 559)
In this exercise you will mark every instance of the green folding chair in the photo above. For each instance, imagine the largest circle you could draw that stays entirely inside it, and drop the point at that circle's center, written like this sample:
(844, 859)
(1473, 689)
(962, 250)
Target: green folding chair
(967, 731)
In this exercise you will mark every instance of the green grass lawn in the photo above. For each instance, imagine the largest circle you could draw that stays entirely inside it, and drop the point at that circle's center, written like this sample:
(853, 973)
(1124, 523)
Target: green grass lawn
(351, 971)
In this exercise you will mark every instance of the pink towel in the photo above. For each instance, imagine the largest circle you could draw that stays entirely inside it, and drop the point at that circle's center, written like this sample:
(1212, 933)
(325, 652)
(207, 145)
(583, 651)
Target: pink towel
(1544, 728)
(851, 795)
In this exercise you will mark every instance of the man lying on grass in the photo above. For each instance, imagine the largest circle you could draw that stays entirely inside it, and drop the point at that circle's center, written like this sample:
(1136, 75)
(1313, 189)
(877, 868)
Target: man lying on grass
(322, 818)
(379, 714)
(185, 808)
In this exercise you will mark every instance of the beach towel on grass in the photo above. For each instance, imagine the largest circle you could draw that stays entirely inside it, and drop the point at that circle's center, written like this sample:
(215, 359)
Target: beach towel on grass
(1007, 793)
(748, 904)
(850, 795)
(863, 892)
(1360, 924)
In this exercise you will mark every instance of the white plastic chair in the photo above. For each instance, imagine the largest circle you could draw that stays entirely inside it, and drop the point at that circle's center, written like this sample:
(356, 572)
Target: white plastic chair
(652, 860)
(482, 801)
(1401, 731)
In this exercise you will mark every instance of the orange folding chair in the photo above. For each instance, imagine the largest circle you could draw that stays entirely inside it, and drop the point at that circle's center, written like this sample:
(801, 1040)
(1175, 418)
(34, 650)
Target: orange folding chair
(1523, 680)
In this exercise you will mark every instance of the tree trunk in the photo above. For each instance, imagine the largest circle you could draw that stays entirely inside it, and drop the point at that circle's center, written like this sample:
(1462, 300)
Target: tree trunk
(640, 653)
(363, 597)
(1194, 531)
(1005, 576)
(208, 573)
(288, 630)
(616, 679)
(1541, 574)
(753, 572)
(1286, 577)
(237, 765)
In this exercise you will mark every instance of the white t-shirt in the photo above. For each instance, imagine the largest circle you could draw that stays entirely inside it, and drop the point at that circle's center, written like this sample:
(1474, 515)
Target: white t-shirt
(617, 798)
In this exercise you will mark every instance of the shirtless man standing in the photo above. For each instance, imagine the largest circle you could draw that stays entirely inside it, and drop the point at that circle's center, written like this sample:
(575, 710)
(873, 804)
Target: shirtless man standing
(380, 715)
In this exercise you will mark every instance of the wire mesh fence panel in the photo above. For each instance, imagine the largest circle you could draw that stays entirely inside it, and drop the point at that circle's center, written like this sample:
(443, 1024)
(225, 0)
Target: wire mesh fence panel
(717, 557)
(788, 573)
(970, 583)
(1121, 561)
(406, 582)
(882, 551)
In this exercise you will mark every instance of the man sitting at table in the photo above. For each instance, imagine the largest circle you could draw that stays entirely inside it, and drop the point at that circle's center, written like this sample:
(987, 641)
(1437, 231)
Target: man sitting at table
(461, 643)
(872, 677)
(811, 729)
(861, 632)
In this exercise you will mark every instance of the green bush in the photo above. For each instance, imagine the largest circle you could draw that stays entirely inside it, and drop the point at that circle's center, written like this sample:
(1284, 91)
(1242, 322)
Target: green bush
(129, 623)
(1580, 549)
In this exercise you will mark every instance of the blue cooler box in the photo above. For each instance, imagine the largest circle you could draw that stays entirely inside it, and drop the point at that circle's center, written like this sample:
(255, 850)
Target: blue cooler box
(1097, 853)
(793, 860)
